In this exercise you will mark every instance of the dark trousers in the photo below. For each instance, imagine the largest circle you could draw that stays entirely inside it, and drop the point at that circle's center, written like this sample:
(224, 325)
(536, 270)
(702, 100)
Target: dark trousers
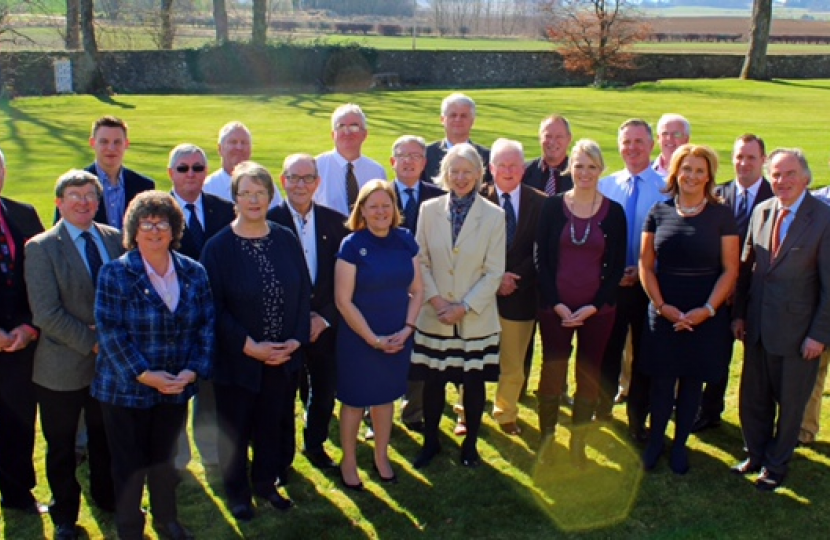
(288, 425)
(632, 305)
(773, 384)
(713, 401)
(435, 401)
(142, 445)
(321, 372)
(592, 339)
(59, 414)
(663, 402)
(258, 419)
(18, 409)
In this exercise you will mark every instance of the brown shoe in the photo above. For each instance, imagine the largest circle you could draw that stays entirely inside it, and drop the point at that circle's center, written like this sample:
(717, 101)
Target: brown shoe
(510, 428)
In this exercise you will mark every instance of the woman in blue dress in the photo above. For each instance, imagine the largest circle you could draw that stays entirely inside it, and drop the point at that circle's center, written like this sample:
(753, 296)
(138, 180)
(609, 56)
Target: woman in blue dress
(378, 292)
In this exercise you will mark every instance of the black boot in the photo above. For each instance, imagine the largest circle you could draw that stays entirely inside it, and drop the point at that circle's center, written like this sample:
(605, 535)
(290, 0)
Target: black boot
(548, 408)
(583, 412)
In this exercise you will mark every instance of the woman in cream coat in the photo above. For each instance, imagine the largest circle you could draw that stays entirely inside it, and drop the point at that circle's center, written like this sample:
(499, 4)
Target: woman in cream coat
(462, 250)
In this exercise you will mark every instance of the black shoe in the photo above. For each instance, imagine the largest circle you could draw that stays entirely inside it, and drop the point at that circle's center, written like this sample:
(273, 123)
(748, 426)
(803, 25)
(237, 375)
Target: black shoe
(386, 479)
(33, 508)
(679, 460)
(353, 487)
(320, 459)
(172, 531)
(652, 455)
(638, 434)
(417, 427)
(243, 512)
(425, 457)
(703, 423)
(768, 480)
(745, 467)
(278, 501)
(470, 459)
(283, 478)
(66, 532)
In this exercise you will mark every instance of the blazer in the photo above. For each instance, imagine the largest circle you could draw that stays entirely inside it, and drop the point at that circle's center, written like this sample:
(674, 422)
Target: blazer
(62, 296)
(134, 183)
(786, 299)
(436, 152)
(614, 230)
(536, 176)
(218, 213)
(137, 332)
(728, 192)
(469, 271)
(426, 191)
(523, 303)
(23, 223)
(330, 231)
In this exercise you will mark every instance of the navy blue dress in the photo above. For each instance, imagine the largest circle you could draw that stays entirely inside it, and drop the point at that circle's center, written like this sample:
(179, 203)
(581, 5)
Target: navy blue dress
(367, 376)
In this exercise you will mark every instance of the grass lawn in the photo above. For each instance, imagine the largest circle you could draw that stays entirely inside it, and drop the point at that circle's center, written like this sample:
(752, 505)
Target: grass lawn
(511, 496)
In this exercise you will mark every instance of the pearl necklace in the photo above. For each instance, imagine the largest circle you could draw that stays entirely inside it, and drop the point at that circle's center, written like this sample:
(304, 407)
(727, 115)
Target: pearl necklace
(587, 228)
(689, 210)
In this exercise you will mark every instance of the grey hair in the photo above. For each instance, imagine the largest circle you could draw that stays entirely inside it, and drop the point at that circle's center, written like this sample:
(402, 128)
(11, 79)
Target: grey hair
(406, 139)
(501, 145)
(458, 99)
(185, 149)
(798, 154)
(295, 158)
(464, 151)
(231, 126)
(674, 117)
(349, 108)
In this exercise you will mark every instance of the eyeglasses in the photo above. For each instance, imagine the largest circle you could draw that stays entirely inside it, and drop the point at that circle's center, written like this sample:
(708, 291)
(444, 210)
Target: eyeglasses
(183, 168)
(160, 226)
(349, 128)
(673, 134)
(298, 178)
(255, 195)
(77, 197)
(413, 157)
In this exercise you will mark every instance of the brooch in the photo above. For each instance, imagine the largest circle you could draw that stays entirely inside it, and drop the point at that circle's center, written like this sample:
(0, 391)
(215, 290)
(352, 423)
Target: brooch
(362, 252)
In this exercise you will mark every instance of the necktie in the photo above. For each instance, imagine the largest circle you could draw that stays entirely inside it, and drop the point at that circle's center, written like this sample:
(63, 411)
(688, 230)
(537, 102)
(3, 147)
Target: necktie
(776, 230)
(93, 256)
(550, 185)
(632, 255)
(741, 213)
(509, 218)
(351, 185)
(6, 260)
(410, 211)
(195, 228)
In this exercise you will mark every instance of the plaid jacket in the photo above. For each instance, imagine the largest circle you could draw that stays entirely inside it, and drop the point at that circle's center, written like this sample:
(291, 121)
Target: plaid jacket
(137, 332)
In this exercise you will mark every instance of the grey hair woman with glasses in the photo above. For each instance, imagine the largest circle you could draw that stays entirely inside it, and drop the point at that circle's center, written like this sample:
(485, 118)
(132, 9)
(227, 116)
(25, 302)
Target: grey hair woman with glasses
(154, 317)
(262, 293)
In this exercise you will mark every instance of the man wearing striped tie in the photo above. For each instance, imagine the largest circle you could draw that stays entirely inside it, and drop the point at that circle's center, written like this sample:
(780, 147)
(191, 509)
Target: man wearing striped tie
(549, 173)
(748, 189)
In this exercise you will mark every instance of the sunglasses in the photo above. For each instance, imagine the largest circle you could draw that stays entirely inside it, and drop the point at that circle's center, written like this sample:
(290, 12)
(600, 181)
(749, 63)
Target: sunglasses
(197, 167)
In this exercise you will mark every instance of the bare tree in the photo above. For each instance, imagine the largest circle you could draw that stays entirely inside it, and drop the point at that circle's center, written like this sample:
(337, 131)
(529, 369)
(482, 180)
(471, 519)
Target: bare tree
(259, 34)
(594, 36)
(755, 62)
(220, 19)
(95, 81)
(73, 25)
(168, 28)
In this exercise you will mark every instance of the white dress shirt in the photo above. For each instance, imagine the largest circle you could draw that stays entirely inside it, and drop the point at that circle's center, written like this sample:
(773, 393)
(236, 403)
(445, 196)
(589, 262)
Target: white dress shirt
(219, 184)
(332, 168)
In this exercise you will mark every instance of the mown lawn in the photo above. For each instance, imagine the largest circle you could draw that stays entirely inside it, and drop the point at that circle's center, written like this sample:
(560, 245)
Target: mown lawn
(512, 496)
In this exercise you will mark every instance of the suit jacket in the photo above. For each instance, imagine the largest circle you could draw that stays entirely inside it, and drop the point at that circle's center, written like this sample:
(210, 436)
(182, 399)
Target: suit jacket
(330, 231)
(426, 191)
(134, 183)
(436, 152)
(729, 190)
(23, 223)
(536, 176)
(469, 271)
(138, 332)
(786, 299)
(62, 296)
(218, 213)
(523, 303)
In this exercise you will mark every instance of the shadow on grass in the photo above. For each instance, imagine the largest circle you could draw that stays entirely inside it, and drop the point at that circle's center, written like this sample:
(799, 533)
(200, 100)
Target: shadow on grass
(110, 100)
(799, 84)
(16, 120)
(15, 524)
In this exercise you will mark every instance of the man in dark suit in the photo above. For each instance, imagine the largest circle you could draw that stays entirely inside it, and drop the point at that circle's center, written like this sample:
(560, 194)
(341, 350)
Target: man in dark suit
(742, 195)
(549, 173)
(18, 223)
(782, 313)
(458, 113)
(121, 185)
(517, 294)
(204, 216)
(62, 264)
(320, 230)
(408, 160)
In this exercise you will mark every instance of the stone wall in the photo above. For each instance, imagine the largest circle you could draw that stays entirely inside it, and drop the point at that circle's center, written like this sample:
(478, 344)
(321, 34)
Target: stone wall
(285, 68)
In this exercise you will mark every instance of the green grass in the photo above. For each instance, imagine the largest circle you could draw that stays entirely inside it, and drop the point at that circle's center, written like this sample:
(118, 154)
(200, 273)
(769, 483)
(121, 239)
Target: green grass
(511, 496)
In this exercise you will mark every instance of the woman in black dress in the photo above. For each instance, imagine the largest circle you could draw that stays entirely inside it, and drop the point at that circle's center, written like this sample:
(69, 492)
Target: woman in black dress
(688, 267)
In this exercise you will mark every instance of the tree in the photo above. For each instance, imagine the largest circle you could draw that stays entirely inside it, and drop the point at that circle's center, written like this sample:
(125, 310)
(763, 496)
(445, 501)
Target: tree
(96, 83)
(168, 28)
(755, 62)
(260, 22)
(594, 36)
(73, 25)
(220, 19)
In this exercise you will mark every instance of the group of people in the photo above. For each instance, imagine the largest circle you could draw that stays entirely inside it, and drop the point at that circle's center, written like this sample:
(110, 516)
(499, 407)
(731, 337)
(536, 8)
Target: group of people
(363, 290)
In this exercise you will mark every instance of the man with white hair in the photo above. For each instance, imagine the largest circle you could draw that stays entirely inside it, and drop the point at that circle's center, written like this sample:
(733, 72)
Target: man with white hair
(344, 169)
(673, 131)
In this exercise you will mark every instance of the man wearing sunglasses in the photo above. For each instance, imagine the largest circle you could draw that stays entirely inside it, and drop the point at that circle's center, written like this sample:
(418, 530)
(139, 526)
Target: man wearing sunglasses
(204, 216)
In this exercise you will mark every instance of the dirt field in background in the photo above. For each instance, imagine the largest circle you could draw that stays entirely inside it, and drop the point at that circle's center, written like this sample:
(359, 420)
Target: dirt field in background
(736, 25)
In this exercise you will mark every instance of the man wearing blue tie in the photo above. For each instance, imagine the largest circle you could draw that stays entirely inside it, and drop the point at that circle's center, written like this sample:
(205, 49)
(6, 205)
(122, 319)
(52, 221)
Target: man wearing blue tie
(636, 188)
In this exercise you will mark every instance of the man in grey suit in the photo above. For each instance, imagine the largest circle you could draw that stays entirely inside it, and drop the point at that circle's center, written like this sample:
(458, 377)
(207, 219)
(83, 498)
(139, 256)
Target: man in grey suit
(782, 313)
(62, 265)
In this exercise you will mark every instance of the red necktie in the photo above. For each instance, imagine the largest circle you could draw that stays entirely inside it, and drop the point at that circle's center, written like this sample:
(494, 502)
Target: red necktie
(776, 231)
